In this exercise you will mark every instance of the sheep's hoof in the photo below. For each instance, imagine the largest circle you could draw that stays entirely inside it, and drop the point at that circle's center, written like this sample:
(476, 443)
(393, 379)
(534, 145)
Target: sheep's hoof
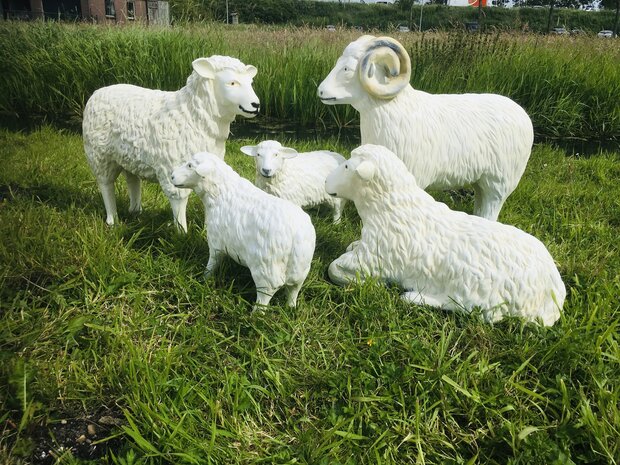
(258, 309)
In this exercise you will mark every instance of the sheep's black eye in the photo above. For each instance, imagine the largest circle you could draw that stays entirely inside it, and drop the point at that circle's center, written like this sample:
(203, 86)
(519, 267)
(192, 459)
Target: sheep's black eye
(346, 167)
(189, 165)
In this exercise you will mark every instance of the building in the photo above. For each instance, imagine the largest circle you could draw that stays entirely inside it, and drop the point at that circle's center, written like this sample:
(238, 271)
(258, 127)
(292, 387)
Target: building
(100, 11)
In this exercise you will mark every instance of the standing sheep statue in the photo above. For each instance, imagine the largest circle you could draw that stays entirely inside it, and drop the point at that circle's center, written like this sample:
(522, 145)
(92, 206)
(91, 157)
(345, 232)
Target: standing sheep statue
(145, 133)
(440, 257)
(296, 177)
(274, 238)
(446, 141)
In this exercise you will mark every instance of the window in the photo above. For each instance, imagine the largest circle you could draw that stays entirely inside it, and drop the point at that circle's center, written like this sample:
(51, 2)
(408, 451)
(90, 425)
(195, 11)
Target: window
(109, 8)
(131, 9)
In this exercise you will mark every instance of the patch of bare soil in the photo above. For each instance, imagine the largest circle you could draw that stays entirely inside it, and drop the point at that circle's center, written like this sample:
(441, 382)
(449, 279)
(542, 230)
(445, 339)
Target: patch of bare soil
(84, 437)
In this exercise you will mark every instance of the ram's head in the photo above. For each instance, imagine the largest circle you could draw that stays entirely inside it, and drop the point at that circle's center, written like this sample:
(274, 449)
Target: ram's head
(376, 66)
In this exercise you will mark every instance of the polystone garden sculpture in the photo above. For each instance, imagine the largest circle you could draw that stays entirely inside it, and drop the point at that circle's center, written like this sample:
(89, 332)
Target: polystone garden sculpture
(145, 133)
(440, 257)
(297, 177)
(446, 141)
(274, 238)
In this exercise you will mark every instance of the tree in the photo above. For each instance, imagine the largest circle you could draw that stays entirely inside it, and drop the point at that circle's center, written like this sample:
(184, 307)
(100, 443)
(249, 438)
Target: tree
(609, 5)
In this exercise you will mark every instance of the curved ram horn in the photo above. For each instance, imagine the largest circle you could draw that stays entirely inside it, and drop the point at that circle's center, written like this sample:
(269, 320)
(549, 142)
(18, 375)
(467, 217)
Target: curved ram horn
(385, 68)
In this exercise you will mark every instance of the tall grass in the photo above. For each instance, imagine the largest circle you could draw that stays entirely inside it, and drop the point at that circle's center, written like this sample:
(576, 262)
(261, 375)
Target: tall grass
(569, 86)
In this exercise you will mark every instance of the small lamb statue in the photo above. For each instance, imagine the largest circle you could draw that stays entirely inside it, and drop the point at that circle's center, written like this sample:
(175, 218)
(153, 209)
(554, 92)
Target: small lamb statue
(274, 238)
(297, 177)
(440, 257)
(145, 133)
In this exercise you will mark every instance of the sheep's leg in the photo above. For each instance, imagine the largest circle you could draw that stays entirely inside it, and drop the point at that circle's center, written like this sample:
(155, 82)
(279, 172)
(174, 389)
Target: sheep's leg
(341, 273)
(487, 202)
(135, 193)
(267, 284)
(293, 292)
(352, 245)
(338, 207)
(420, 298)
(215, 258)
(109, 200)
(179, 205)
(264, 293)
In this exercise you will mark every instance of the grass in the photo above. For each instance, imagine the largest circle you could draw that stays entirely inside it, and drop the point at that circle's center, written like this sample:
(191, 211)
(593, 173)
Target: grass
(570, 86)
(95, 318)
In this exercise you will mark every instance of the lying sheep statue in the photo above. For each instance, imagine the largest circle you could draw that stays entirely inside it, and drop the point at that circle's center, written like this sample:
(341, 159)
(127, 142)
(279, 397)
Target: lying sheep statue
(272, 237)
(145, 133)
(296, 177)
(446, 141)
(441, 257)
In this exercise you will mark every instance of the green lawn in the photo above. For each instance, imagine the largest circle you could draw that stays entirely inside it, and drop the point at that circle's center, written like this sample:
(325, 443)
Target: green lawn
(99, 321)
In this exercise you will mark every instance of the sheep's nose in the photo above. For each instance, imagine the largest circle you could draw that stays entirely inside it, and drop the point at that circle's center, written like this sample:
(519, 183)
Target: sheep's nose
(256, 105)
(320, 93)
(266, 172)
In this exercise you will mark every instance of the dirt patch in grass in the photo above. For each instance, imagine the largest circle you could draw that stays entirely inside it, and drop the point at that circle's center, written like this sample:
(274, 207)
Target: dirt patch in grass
(87, 437)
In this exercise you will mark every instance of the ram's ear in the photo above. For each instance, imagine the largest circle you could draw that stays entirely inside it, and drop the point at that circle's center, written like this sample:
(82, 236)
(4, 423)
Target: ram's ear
(288, 152)
(366, 170)
(204, 68)
(251, 70)
(205, 168)
(249, 150)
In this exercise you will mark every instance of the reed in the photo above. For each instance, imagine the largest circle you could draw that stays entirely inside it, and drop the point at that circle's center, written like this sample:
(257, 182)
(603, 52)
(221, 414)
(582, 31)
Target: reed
(569, 86)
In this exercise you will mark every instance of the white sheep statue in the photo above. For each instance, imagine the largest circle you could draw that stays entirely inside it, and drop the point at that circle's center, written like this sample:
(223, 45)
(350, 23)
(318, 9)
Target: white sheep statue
(145, 133)
(296, 177)
(274, 238)
(440, 257)
(446, 141)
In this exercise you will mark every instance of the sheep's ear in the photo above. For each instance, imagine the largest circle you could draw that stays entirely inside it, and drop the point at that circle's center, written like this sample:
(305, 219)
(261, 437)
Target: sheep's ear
(204, 68)
(288, 152)
(204, 169)
(366, 170)
(251, 70)
(249, 150)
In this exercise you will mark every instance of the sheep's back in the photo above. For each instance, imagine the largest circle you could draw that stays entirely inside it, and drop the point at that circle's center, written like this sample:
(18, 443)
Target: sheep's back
(147, 132)
(451, 139)
(302, 179)
(254, 226)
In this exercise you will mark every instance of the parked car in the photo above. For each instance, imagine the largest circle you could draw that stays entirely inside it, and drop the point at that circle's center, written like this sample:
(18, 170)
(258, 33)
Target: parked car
(559, 31)
(577, 32)
(605, 33)
(402, 28)
(330, 27)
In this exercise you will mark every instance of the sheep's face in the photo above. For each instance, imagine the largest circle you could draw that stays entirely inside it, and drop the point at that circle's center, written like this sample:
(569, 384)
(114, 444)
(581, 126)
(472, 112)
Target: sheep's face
(185, 176)
(269, 156)
(232, 87)
(190, 174)
(350, 179)
(235, 93)
(342, 85)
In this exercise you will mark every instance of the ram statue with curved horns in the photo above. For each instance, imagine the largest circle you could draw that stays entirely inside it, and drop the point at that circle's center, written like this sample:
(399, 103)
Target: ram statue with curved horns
(445, 140)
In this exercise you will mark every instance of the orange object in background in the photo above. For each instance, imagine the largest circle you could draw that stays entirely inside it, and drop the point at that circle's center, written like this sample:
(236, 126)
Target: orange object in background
(475, 2)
